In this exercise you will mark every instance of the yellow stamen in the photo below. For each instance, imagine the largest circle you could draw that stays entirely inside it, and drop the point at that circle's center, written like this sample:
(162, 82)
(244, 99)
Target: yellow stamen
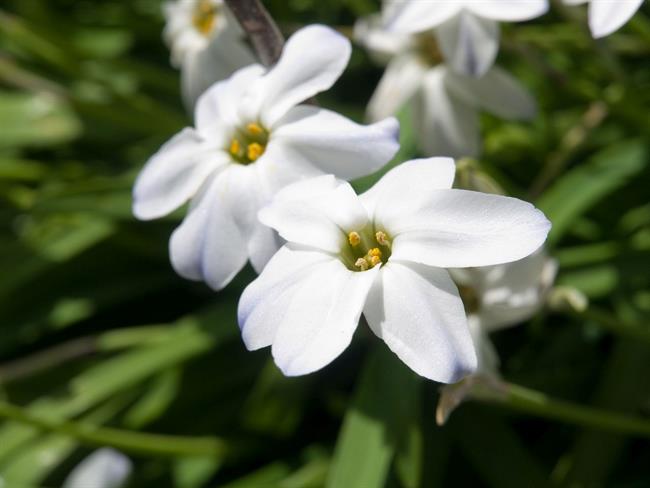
(354, 238)
(205, 15)
(382, 238)
(375, 252)
(235, 147)
(374, 261)
(254, 151)
(362, 264)
(254, 129)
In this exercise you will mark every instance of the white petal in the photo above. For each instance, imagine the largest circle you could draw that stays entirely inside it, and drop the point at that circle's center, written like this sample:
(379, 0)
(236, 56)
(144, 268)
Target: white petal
(417, 16)
(445, 124)
(174, 174)
(211, 243)
(382, 44)
(218, 61)
(411, 179)
(264, 302)
(104, 468)
(416, 310)
(312, 60)
(508, 10)
(486, 354)
(402, 78)
(318, 212)
(321, 317)
(221, 102)
(496, 92)
(337, 145)
(607, 16)
(469, 43)
(458, 228)
(263, 243)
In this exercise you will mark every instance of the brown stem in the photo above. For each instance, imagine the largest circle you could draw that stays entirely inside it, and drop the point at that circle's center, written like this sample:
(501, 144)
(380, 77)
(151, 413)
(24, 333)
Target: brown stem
(260, 27)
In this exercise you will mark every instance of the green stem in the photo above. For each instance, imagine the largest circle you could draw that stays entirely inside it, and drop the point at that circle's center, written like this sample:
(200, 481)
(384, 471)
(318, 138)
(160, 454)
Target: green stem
(515, 397)
(127, 441)
(614, 324)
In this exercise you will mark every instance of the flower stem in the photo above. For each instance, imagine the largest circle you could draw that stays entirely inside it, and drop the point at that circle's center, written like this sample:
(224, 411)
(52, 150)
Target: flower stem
(519, 398)
(127, 441)
(262, 30)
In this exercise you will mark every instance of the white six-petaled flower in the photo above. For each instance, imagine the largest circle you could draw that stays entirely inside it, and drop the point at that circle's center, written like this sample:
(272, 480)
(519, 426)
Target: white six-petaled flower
(445, 104)
(104, 468)
(383, 254)
(206, 43)
(607, 16)
(251, 139)
(467, 30)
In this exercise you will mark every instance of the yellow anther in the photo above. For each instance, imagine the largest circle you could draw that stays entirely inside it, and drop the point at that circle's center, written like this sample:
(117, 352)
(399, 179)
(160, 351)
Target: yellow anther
(361, 263)
(254, 129)
(374, 260)
(235, 147)
(205, 15)
(254, 151)
(375, 252)
(354, 238)
(382, 238)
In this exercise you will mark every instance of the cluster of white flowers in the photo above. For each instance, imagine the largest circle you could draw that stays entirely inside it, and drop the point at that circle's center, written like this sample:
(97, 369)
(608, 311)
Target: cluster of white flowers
(431, 269)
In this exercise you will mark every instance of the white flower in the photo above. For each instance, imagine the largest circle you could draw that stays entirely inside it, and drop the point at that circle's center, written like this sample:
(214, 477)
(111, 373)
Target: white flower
(445, 104)
(206, 44)
(607, 16)
(467, 30)
(251, 139)
(104, 468)
(382, 254)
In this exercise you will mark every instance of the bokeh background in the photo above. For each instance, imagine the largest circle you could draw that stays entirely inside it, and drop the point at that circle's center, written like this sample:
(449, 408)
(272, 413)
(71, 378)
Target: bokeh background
(97, 330)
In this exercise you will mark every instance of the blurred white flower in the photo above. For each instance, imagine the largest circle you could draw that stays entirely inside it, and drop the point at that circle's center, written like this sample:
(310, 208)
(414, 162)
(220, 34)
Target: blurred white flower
(607, 16)
(251, 139)
(104, 468)
(206, 43)
(467, 30)
(496, 297)
(383, 254)
(445, 104)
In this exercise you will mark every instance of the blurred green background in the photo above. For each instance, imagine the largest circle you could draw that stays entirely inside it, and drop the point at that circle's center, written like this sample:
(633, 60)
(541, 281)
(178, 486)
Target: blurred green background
(97, 330)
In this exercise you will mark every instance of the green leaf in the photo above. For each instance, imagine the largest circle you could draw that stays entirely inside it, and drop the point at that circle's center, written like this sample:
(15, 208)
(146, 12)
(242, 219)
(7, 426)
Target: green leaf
(587, 184)
(386, 400)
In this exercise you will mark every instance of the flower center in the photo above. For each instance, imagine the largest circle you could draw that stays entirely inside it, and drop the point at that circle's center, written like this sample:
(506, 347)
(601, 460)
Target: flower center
(204, 16)
(427, 49)
(249, 143)
(365, 249)
(470, 298)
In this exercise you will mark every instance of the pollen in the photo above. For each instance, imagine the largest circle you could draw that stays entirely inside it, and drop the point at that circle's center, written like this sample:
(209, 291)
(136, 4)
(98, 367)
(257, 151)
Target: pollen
(362, 264)
(374, 261)
(254, 151)
(204, 17)
(235, 147)
(254, 129)
(382, 239)
(354, 238)
(375, 252)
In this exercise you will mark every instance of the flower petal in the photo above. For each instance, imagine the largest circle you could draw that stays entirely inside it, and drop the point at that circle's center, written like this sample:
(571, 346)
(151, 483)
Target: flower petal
(174, 174)
(402, 78)
(607, 16)
(416, 310)
(417, 16)
(419, 176)
(469, 43)
(224, 55)
(496, 92)
(321, 317)
(312, 60)
(221, 102)
(445, 124)
(264, 302)
(211, 244)
(458, 228)
(335, 144)
(382, 44)
(508, 10)
(104, 468)
(319, 212)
